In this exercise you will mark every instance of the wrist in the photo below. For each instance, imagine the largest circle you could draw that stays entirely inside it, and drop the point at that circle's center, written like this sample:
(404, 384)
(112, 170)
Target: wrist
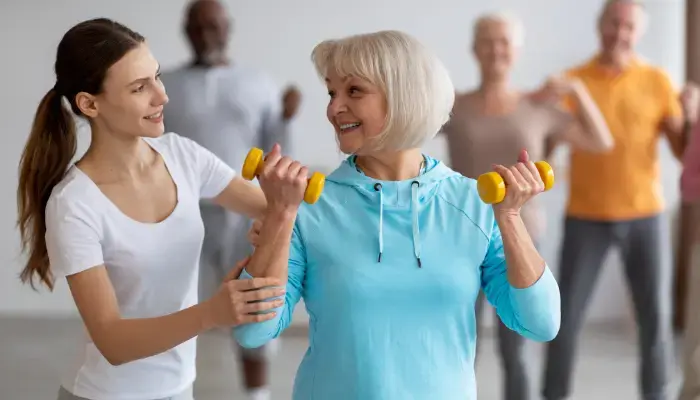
(206, 314)
(505, 217)
(281, 212)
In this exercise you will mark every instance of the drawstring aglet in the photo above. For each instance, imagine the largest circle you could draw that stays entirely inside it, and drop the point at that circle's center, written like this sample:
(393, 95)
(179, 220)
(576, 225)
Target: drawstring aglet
(379, 259)
(420, 265)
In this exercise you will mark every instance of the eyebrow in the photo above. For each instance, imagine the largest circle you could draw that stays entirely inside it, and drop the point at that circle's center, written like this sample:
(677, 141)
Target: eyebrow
(345, 79)
(145, 79)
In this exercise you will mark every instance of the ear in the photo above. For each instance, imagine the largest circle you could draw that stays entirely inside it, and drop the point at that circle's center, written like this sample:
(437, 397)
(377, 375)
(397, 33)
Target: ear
(87, 104)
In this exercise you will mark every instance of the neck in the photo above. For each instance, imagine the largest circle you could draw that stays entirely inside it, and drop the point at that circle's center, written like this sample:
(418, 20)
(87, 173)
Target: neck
(616, 60)
(210, 61)
(493, 84)
(121, 158)
(391, 166)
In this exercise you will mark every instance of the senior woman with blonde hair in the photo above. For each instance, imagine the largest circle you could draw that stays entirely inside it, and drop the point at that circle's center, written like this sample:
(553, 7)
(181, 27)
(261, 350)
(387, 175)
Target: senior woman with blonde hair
(391, 259)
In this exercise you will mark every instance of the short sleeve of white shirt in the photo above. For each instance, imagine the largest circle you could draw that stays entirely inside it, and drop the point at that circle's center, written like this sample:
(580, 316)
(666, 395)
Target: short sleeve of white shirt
(72, 236)
(214, 175)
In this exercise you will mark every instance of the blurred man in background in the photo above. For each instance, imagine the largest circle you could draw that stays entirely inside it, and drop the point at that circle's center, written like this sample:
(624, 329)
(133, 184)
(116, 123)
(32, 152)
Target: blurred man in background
(615, 199)
(228, 109)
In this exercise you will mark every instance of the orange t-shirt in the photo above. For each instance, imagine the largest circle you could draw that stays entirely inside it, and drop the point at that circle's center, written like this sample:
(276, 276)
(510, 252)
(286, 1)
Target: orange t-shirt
(623, 183)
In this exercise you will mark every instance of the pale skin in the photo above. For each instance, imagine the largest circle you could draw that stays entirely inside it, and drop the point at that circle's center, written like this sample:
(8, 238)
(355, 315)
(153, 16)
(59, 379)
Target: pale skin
(495, 49)
(134, 177)
(356, 100)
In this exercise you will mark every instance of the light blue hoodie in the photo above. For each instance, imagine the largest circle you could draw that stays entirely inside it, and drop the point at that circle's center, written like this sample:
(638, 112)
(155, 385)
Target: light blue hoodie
(389, 273)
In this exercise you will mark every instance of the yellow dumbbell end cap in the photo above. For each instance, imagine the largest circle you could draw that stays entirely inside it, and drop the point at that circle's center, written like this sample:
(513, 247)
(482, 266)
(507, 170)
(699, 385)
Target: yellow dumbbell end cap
(546, 173)
(251, 163)
(314, 188)
(491, 188)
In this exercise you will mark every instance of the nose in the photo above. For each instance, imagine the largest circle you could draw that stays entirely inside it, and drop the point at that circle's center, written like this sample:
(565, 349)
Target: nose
(161, 97)
(337, 105)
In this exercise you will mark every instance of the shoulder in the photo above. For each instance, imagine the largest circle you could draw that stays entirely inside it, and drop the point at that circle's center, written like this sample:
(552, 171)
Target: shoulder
(581, 69)
(75, 197)
(174, 145)
(463, 99)
(461, 193)
(654, 73)
(173, 75)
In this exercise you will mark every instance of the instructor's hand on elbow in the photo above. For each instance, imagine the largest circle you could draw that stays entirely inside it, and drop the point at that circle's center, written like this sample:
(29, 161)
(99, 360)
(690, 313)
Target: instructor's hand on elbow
(244, 301)
(283, 181)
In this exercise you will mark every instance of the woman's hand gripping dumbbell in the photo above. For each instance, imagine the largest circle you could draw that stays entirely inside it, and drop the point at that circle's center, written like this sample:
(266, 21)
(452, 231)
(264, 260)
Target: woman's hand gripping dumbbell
(254, 165)
(493, 187)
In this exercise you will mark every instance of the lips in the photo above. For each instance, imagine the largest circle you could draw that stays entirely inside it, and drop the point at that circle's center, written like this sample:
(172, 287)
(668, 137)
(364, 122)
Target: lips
(348, 126)
(157, 115)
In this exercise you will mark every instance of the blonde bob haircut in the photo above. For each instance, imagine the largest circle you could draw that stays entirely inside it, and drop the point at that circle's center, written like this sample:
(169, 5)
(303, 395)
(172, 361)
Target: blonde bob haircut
(418, 89)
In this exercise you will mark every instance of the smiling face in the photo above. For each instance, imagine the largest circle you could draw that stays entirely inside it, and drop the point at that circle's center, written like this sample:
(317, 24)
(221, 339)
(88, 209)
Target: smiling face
(620, 27)
(357, 110)
(132, 97)
(495, 45)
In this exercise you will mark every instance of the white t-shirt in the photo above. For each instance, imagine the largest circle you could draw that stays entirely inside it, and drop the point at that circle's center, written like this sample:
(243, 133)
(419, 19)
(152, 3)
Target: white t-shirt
(153, 267)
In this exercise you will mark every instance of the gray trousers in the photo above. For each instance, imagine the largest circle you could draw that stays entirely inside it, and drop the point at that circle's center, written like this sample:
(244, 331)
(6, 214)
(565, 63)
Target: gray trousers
(511, 348)
(585, 246)
(63, 394)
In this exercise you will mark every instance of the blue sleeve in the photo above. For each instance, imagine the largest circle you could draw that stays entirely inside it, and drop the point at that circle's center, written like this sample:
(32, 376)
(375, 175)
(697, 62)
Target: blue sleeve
(533, 312)
(257, 334)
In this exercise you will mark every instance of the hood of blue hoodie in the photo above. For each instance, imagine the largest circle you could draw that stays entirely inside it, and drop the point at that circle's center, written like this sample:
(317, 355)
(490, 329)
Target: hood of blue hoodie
(410, 194)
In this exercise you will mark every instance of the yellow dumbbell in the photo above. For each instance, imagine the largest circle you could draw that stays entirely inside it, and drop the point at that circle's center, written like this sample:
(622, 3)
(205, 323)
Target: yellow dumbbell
(253, 165)
(492, 188)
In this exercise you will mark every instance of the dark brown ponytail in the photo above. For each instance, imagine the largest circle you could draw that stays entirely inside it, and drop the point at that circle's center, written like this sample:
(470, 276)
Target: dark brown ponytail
(83, 57)
(49, 150)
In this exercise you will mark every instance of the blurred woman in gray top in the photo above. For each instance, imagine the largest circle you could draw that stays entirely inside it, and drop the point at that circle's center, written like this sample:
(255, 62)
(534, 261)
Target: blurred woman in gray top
(494, 122)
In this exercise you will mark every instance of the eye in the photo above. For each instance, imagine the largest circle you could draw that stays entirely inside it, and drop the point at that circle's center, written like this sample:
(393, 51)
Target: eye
(158, 76)
(331, 94)
(354, 90)
(139, 89)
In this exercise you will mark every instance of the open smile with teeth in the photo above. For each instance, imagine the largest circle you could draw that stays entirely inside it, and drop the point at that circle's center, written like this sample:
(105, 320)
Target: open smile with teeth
(156, 115)
(349, 127)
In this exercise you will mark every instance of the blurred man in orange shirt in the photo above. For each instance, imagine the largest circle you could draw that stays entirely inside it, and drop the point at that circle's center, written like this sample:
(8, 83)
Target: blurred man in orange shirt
(615, 199)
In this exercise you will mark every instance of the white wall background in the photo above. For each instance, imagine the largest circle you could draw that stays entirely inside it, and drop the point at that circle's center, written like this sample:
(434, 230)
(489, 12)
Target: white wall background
(277, 36)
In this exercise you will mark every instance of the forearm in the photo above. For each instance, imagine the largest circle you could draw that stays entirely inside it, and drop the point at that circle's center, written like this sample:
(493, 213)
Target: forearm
(271, 255)
(243, 197)
(126, 340)
(591, 119)
(525, 265)
(529, 303)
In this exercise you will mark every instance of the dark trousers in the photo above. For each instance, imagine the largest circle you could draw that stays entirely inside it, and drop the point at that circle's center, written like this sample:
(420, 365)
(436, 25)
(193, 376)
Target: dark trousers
(511, 351)
(585, 246)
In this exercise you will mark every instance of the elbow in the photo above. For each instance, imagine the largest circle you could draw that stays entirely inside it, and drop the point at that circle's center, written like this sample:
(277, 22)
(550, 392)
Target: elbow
(547, 329)
(114, 358)
(544, 327)
(607, 145)
(250, 341)
(115, 361)
(254, 335)
(605, 142)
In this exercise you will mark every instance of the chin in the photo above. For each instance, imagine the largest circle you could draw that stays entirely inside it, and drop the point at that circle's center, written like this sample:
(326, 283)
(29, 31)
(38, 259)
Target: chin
(348, 146)
(153, 133)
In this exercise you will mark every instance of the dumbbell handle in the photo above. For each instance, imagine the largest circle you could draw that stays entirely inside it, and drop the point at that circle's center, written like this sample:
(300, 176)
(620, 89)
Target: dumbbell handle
(255, 162)
(492, 188)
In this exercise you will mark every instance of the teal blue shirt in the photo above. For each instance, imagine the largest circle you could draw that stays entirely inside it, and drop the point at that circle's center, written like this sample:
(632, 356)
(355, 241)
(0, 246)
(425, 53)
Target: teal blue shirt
(389, 273)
